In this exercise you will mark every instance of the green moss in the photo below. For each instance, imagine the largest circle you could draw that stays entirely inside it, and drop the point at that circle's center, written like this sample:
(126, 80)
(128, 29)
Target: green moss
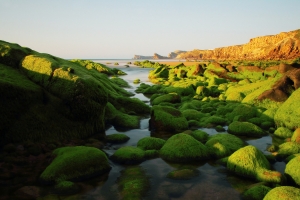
(215, 120)
(117, 138)
(246, 129)
(191, 114)
(136, 81)
(288, 148)
(128, 155)
(90, 65)
(150, 143)
(283, 193)
(170, 98)
(292, 170)
(288, 115)
(245, 111)
(222, 145)
(200, 135)
(296, 136)
(120, 82)
(66, 188)
(283, 132)
(255, 120)
(183, 148)
(250, 162)
(169, 119)
(151, 153)
(183, 174)
(133, 183)
(267, 125)
(72, 163)
(256, 193)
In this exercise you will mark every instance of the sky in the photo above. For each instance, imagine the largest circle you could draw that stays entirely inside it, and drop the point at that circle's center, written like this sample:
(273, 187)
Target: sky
(120, 29)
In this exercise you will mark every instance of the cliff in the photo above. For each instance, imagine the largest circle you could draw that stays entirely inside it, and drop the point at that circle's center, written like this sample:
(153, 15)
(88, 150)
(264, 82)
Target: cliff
(142, 57)
(174, 54)
(283, 46)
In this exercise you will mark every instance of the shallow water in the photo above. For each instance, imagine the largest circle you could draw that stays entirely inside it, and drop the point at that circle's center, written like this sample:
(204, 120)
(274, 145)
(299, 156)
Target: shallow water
(213, 182)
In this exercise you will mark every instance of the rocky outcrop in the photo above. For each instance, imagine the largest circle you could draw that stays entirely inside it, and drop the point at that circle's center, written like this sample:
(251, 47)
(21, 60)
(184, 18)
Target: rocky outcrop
(142, 57)
(174, 54)
(285, 45)
(157, 56)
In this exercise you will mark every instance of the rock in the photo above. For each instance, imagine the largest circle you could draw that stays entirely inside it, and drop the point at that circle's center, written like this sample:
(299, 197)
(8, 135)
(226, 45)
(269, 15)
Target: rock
(150, 143)
(33, 192)
(66, 188)
(292, 170)
(246, 129)
(128, 155)
(200, 135)
(183, 148)
(133, 183)
(288, 148)
(283, 132)
(257, 192)
(283, 192)
(222, 145)
(183, 174)
(296, 136)
(288, 114)
(251, 163)
(117, 138)
(170, 98)
(167, 119)
(75, 163)
(282, 46)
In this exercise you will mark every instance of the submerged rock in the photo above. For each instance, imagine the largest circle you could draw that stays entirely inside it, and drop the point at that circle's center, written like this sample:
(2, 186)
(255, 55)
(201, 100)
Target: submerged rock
(183, 174)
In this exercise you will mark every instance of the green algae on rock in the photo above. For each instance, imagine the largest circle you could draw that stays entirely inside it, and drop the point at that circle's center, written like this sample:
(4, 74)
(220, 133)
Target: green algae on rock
(246, 129)
(257, 192)
(222, 145)
(75, 163)
(183, 174)
(283, 193)
(250, 162)
(292, 170)
(165, 118)
(288, 148)
(133, 183)
(150, 143)
(117, 138)
(288, 115)
(183, 148)
(283, 132)
(200, 135)
(171, 98)
(296, 136)
(128, 155)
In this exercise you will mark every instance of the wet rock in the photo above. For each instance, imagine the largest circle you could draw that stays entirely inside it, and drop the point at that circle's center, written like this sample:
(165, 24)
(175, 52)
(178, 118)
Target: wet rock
(28, 192)
(183, 174)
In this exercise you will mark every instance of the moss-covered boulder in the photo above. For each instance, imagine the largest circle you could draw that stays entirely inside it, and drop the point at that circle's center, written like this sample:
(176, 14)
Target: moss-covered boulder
(288, 148)
(75, 163)
(150, 143)
(283, 132)
(245, 112)
(170, 98)
(257, 192)
(200, 135)
(250, 162)
(66, 188)
(128, 155)
(288, 115)
(117, 138)
(292, 170)
(284, 193)
(183, 174)
(296, 136)
(245, 129)
(133, 183)
(37, 87)
(168, 119)
(183, 148)
(222, 145)
(191, 114)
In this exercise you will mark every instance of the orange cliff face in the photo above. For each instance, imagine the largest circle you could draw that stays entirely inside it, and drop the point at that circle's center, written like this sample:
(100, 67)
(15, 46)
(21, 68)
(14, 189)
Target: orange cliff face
(283, 46)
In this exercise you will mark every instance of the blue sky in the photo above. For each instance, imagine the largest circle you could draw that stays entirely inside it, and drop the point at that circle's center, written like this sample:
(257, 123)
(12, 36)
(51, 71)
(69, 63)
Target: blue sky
(120, 29)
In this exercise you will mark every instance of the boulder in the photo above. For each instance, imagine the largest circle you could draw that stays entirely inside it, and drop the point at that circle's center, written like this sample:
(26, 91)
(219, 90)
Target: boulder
(128, 155)
(251, 163)
(245, 129)
(292, 170)
(75, 163)
(284, 193)
(150, 143)
(183, 148)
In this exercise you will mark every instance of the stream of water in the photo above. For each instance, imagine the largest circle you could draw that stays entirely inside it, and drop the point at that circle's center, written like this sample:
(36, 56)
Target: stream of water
(213, 182)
